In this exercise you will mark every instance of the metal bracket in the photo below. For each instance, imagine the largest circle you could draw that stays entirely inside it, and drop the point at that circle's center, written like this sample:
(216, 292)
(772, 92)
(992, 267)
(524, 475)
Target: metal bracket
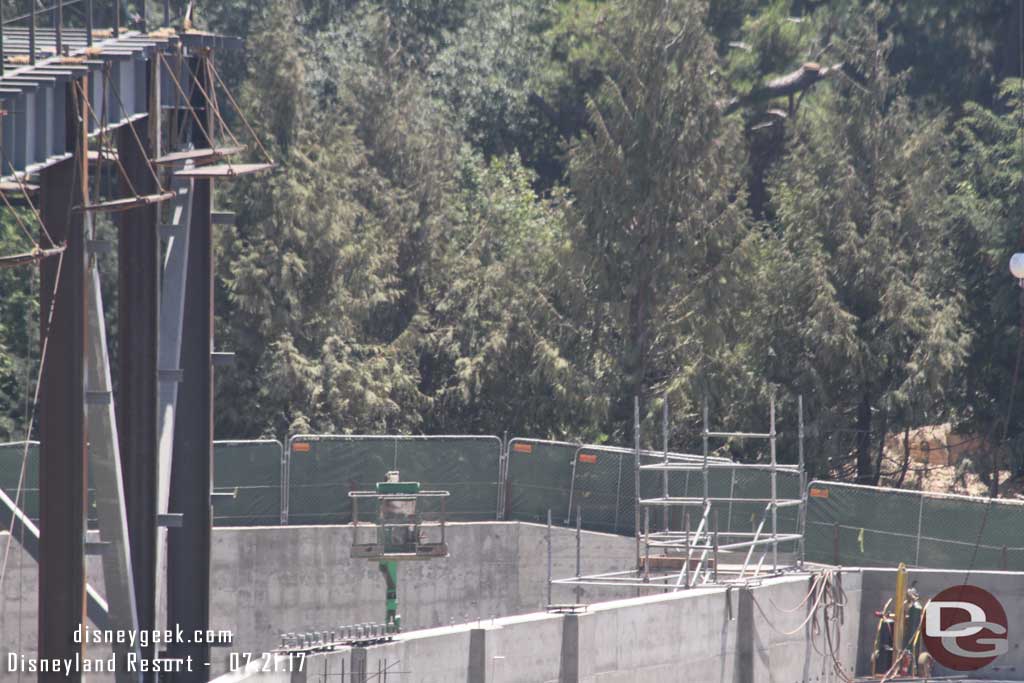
(99, 246)
(171, 520)
(222, 217)
(170, 375)
(222, 358)
(96, 547)
(98, 398)
(168, 231)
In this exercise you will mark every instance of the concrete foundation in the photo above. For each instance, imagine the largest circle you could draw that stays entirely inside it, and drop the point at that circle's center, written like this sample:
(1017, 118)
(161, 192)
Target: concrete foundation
(480, 614)
(703, 636)
(270, 580)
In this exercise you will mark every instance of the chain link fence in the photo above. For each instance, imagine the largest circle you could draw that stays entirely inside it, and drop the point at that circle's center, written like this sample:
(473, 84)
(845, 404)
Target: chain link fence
(247, 482)
(322, 469)
(854, 525)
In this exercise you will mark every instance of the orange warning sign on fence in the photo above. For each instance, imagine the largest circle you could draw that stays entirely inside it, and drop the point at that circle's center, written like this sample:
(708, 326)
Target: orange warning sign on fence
(300, 447)
(522, 448)
(819, 493)
(588, 457)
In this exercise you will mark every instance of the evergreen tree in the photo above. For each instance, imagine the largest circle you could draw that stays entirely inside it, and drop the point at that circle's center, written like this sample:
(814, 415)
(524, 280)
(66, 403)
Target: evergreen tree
(867, 320)
(658, 206)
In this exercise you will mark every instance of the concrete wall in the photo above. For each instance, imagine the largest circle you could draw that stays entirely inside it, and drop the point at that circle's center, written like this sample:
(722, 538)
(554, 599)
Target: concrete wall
(270, 580)
(1008, 587)
(700, 636)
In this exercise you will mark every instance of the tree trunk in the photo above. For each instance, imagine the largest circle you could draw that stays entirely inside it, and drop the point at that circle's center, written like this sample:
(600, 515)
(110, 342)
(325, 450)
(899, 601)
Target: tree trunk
(881, 445)
(906, 458)
(634, 362)
(865, 469)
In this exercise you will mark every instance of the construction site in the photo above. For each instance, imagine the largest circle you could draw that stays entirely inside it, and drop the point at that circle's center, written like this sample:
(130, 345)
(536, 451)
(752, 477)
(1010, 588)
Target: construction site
(136, 547)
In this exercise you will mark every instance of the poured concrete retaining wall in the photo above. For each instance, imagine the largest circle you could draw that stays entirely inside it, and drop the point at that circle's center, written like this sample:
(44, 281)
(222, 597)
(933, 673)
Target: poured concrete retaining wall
(704, 636)
(270, 580)
(1008, 587)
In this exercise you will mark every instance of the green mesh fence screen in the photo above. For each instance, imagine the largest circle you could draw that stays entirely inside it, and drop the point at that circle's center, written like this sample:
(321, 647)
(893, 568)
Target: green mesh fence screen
(539, 478)
(322, 470)
(864, 526)
(603, 487)
(10, 470)
(250, 472)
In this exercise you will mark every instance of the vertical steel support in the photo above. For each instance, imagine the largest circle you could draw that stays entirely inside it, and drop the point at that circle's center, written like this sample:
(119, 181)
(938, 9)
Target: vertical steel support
(63, 451)
(88, 23)
(549, 557)
(579, 558)
(32, 33)
(704, 468)
(188, 547)
(803, 478)
(58, 25)
(167, 13)
(686, 546)
(105, 459)
(775, 505)
(664, 474)
(138, 307)
(117, 18)
(636, 476)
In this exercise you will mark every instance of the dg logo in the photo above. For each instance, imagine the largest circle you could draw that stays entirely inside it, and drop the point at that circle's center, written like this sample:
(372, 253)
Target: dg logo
(965, 628)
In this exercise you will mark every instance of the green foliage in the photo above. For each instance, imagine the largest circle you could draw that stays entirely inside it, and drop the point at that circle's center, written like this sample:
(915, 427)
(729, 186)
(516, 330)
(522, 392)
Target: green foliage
(988, 206)
(518, 214)
(658, 205)
(870, 325)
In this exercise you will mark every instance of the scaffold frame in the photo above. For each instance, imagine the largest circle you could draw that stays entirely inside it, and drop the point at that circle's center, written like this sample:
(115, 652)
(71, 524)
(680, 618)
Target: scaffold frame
(673, 559)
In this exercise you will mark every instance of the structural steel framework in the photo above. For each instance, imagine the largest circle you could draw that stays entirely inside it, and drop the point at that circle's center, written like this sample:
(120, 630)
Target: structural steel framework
(140, 108)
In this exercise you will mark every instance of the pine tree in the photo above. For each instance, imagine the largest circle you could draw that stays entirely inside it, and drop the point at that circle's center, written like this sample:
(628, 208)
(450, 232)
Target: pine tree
(867, 321)
(658, 203)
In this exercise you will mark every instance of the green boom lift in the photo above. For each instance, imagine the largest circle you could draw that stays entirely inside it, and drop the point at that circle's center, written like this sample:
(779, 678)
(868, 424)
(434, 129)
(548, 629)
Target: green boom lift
(401, 534)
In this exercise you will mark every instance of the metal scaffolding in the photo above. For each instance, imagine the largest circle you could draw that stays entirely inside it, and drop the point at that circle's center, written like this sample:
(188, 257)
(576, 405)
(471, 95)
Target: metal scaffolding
(686, 557)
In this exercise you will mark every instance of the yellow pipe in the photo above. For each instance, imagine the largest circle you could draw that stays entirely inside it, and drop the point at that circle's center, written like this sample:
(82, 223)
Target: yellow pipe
(900, 615)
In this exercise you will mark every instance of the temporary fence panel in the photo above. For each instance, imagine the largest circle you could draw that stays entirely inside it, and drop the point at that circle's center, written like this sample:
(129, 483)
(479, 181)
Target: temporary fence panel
(538, 478)
(857, 525)
(322, 469)
(247, 479)
(604, 486)
(11, 455)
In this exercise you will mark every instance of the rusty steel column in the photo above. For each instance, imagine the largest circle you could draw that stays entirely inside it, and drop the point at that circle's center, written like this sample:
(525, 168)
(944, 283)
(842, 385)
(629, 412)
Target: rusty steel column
(62, 451)
(138, 258)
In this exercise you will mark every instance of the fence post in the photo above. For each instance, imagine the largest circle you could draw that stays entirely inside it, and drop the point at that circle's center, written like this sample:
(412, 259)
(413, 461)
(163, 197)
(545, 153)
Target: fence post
(835, 543)
(920, 519)
(286, 471)
(503, 477)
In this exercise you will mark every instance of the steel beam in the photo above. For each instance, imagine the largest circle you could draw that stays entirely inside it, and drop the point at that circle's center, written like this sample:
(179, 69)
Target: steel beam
(138, 310)
(188, 547)
(62, 461)
(106, 468)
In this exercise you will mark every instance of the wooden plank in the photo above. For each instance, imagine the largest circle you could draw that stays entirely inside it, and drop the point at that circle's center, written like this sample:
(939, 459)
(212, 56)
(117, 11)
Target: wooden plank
(223, 170)
(198, 156)
(126, 203)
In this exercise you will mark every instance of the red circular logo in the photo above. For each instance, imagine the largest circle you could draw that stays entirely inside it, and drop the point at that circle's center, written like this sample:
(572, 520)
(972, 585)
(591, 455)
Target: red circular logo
(965, 628)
